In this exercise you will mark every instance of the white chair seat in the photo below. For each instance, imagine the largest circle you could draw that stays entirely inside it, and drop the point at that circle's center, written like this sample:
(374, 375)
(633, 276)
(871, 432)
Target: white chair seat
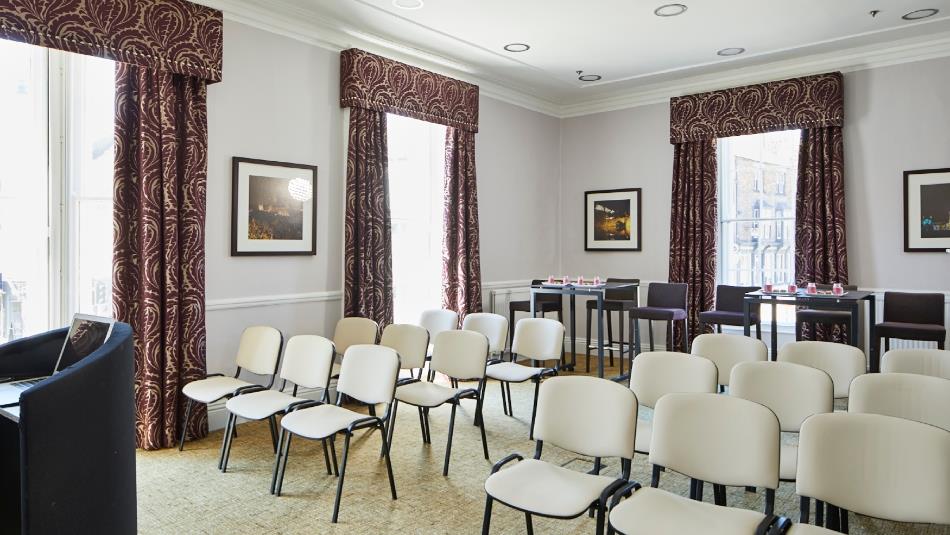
(260, 405)
(213, 388)
(658, 512)
(788, 462)
(546, 489)
(425, 394)
(320, 421)
(644, 432)
(510, 372)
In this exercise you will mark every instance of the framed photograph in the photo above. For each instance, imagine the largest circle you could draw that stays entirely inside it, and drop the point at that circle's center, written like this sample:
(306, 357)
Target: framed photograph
(612, 220)
(273, 208)
(927, 211)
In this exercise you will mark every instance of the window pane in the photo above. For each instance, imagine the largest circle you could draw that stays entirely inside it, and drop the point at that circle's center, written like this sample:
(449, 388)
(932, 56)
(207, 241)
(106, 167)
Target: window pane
(24, 192)
(91, 97)
(416, 169)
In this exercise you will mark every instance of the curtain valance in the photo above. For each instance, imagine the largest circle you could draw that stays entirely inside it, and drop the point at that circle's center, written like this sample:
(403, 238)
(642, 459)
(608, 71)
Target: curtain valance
(182, 37)
(376, 83)
(807, 102)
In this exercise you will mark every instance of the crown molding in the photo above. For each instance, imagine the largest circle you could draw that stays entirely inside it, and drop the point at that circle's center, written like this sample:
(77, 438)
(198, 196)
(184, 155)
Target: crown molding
(278, 17)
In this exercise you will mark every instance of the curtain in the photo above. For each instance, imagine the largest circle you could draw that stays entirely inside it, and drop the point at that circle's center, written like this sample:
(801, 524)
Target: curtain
(461, 267)
(161, 142)
(368, 270)
(693, 224)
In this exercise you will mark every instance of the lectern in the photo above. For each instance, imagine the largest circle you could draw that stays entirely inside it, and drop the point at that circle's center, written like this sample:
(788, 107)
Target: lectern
(67, 452)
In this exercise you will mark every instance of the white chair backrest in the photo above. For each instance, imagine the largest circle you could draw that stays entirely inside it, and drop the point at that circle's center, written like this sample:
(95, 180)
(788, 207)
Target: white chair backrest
(538, 338)
(259, 350)
(719, 439)
(875, 465)
(493, 326)
(307, 361)
(935, 362)
(903, 395)
(436, 321)
(354, 331)
(369, 373)
(793, 392)
(727, 350)
(657, 373)
(565, 419)
(460, 354)
(841, 361)
(410, 341)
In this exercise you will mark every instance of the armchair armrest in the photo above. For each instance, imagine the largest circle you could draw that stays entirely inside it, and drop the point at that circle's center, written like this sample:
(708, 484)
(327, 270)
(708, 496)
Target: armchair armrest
(506, 460)
(623, 492)
(249, 389)
(303, 405)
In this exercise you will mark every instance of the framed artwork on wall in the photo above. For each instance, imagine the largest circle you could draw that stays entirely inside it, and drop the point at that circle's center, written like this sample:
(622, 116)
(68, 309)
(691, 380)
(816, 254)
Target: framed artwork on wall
(273, 208)
(612, 220)
(927, 210)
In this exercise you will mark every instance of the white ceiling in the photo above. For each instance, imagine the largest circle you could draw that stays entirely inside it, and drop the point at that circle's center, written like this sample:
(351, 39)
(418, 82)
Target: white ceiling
(622, 40)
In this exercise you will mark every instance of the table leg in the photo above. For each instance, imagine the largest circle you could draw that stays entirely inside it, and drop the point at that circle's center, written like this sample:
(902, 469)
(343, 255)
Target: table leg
(853, 325)
(533, 293)
(573, 308)
(873, 355)
(774, 330)
(746, 317)
(600, 335)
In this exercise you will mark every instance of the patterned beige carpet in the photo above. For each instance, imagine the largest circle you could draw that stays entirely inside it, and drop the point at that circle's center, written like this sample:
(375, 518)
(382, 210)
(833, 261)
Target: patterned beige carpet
(185, 493)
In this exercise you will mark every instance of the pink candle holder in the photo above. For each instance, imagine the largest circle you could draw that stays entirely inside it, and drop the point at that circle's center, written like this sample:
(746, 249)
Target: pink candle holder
(767, 287)
(792, 288)
(580, 279)
(565, 280)
(812, 289)
(550, 279)
(597, 280)
(837, 289)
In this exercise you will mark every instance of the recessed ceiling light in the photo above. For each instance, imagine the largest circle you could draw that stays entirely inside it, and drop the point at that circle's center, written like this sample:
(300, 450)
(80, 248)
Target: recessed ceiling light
(517, 47)
(408, 4)
(733, 51)
(670, 10)
(589, 77)
(920, 14)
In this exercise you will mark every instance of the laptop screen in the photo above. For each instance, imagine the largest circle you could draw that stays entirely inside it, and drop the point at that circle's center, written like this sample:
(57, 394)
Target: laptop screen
(86, 334)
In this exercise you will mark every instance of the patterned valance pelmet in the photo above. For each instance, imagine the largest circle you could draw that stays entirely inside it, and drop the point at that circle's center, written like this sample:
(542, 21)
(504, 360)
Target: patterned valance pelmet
(377, 83)
(807, 102)
(177, 35)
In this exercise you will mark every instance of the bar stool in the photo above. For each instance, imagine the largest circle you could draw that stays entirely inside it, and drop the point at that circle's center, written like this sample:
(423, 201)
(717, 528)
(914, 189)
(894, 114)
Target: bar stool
(813, 317)
(665, 302)
(618, 300)
(910, 316)
(728, 309)
(544, 304)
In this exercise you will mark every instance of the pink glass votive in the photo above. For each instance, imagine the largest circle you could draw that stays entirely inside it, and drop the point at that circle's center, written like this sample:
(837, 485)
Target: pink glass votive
(812, 289)
(792, 288)
(597, 280)
(767, 287)
(837, 289)
(580, 279)
(550, 279)
(565, 280)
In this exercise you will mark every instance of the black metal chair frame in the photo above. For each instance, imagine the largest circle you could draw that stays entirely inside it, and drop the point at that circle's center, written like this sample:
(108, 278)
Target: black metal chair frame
(608, 302)
(506, 403)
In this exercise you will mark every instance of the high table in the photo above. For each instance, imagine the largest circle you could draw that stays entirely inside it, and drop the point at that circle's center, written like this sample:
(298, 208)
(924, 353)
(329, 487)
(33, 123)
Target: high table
(850, 301)
(596, 291)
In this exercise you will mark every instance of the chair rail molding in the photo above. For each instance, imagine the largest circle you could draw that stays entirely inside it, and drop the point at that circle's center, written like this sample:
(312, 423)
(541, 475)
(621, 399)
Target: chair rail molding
(230, 303)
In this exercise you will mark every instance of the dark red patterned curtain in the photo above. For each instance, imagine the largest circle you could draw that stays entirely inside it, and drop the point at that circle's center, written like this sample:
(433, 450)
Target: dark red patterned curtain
(693, 221)
(461, 266)
(368, 270)
(161, 149)
(820, 237)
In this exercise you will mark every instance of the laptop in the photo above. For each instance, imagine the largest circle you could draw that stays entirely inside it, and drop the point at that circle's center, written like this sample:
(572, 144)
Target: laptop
(86, 334)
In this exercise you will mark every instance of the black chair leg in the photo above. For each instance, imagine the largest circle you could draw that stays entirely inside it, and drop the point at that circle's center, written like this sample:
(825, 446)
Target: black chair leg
(650, 329)
(669, 335)
(479, 404)
(769, 501)
(798, 331)
(339, 483)
(511, 406)
(184, 424)
(819, 513)
(277, 459)
(229, 438)
(283, 464)
(534, 408)
(804, 513)
(332, 441)
(655, 480)
(758, 330)
(719, 494)
(610, 336)
(272, 422)
(486, 518)
(389, 464)
(587, 346)
(529, 527)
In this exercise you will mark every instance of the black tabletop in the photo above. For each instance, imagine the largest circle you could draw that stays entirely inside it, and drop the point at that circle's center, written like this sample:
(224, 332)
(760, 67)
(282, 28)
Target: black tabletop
(853, 295)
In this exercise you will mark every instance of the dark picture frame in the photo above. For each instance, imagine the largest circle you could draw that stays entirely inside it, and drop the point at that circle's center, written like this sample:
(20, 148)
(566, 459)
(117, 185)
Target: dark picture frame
(613, 220)
(281, 224)
(927, 211)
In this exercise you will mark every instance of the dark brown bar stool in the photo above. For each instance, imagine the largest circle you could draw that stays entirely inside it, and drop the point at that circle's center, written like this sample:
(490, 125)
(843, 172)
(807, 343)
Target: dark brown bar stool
(728, 309)
(814, 317)
(617, 300)
(544, 304)
(909, 316)
(665, 302)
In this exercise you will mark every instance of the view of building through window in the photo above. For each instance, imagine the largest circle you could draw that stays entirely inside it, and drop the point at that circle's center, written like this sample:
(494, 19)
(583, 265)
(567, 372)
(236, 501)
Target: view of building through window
(56, 188)
(757, 184)
(416, 177)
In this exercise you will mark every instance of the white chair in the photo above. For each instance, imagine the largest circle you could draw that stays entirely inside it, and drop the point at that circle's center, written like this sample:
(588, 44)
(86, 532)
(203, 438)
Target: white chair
(874, 465)
(460, 355)
(538, 339)
(657, 373)
(368, 375)
(910, 396)
(727, 350)
(935, 362)
(411, 342)
(354, 331)
(536, 487)
(841, 361)
(724, 440)
(793, 392)
(258, 353)
(307, 362)
(493, 326)
(436, 321)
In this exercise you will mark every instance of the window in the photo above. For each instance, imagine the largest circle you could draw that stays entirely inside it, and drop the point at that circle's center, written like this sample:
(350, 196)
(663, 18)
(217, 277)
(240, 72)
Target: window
(56, 188)
(416, 178)
(756, 234)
